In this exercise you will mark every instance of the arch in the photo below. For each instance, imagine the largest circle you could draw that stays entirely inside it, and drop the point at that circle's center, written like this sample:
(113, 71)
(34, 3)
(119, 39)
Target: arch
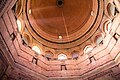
(111, 9)
(88, 48)
(75, 54)
(19, 7)
(99, 39)
(19, 24)
(107, 25)
(26, 38)
(62, 56)
(49, 54)
(36, 49)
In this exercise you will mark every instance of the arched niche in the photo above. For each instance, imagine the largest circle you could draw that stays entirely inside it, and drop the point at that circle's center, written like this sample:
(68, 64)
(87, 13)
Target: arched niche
(62, 56)
(49, 55)
(26, 38)
(107, 26)
(99, 39)
(88, 48)
(19, 25)
(36, 49)
(111, 10)
(75, 54)
(18, 8)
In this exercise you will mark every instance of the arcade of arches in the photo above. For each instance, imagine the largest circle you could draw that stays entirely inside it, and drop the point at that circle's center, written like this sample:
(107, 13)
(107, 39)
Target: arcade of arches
(59, 39)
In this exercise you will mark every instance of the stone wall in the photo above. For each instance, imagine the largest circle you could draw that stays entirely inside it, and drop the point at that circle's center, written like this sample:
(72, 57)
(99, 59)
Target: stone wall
(17, 60)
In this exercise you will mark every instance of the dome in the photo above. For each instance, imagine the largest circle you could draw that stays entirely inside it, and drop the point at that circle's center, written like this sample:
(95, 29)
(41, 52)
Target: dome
(60, 22)
(59, 39)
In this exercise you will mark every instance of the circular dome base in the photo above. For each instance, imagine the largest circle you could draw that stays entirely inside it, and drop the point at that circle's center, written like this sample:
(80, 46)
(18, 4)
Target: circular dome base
(73, 21)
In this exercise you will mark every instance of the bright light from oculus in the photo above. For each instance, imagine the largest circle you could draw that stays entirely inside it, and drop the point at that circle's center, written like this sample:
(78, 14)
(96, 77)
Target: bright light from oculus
(19, 25)
(36, 49)
(62, 57)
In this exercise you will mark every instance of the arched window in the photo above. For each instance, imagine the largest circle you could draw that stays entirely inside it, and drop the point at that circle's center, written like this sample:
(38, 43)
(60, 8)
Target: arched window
(88, 48)
(107, 26)
(75, 54)
(62, 57)
(49, 55)
(99, 39)
(36, 49)
(18, 8)
(19, 24)
(111, 9)
(26, 38)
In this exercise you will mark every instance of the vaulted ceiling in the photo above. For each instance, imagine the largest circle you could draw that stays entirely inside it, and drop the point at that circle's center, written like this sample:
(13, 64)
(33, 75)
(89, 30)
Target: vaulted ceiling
(60, 39)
